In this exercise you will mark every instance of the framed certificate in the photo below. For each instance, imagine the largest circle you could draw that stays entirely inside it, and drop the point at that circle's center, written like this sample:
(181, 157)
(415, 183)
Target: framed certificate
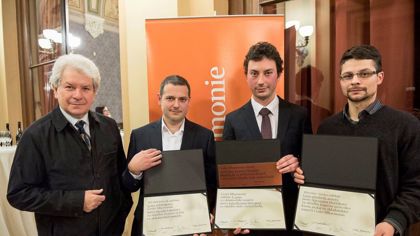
(338, 197)
(175, 199)
(249, 194)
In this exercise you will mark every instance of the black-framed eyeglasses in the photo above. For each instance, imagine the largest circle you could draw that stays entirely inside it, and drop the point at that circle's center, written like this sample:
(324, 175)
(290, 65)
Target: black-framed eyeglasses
(364, 74)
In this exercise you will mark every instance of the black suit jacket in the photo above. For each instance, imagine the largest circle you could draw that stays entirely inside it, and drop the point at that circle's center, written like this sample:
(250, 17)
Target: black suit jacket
(241, 124)
(53, 167)
(150, 136)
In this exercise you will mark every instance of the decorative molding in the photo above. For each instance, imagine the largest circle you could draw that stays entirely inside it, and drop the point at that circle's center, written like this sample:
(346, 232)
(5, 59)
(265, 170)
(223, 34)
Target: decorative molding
(94, 6)
(110, 11)
(77, 17)
(94, 25)
(77, 5)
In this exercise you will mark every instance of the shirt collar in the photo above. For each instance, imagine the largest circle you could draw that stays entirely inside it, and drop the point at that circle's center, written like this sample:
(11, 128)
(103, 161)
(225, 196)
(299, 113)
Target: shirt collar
(166, 129)
(272, 106)
(369, 110)
(73, 120)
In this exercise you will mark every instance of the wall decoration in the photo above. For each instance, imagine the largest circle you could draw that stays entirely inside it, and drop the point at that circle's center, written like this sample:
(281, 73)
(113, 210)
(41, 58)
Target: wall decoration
(94, 25)
(111, 10)
(77, 5)
(94, 6)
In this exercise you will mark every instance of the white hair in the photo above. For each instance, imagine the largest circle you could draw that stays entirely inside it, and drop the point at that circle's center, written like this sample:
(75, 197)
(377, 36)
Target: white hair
(78, 62)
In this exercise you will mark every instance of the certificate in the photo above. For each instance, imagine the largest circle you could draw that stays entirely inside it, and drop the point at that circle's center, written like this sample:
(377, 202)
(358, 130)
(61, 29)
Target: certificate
(335, 212)
(336, 199)
(248, 175)
(249, 194)
(176, 214)
(248, 163)
(175, 200)
(249, 209)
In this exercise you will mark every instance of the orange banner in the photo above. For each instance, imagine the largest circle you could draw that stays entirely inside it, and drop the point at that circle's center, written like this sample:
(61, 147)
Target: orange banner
(208, 52)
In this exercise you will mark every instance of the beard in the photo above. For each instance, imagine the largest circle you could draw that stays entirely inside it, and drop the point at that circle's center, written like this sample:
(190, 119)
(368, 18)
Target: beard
(360, 97)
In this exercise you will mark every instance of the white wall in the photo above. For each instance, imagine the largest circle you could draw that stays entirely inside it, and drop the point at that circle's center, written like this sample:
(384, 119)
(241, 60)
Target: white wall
(133, 56)
(10, 100)
(303, 11)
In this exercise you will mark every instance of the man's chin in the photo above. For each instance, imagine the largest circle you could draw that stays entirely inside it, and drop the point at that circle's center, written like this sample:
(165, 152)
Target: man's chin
(77, 113)
(176, 118)
(262, 97)
(357, 99)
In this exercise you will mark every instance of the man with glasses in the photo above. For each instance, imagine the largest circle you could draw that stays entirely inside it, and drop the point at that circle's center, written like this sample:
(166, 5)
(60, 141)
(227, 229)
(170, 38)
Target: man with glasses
(398, 176)
(172, 132)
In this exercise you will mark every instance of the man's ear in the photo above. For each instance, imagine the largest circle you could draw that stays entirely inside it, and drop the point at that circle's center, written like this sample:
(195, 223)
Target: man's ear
(158, 97)
(55, 93)
(381, 76)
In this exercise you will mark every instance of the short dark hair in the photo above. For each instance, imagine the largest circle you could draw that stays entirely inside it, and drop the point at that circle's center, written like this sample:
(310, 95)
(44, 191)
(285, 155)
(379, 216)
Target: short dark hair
(175, 80)
(363, 52)
(260, 50)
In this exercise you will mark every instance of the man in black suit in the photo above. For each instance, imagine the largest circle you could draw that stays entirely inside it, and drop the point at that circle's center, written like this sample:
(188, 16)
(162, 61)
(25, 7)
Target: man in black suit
(68, 166)
(172, 132)
(284, 121)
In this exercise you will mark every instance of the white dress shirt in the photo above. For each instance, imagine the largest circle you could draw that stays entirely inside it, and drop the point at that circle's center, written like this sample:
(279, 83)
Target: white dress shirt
(273, 106)
(172, 141)
(73, 121)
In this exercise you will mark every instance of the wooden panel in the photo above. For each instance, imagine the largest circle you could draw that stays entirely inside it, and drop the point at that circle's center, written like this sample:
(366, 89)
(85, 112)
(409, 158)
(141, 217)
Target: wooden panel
(414, 230)
(351, 28)
(391, 22)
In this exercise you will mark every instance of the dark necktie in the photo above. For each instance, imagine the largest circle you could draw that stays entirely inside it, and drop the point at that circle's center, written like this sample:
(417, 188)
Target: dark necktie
(265, 124)
(80, 127)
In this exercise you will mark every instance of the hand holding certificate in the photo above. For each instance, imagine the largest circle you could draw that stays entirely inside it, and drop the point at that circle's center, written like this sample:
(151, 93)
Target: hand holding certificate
(249, 194)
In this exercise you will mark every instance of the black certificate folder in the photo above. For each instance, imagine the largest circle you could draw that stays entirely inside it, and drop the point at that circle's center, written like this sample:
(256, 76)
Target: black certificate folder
(248, 196)
(181, 171)
(340, 181)
(234, 151)
(339, 161)
(248, 163)
(174, 201)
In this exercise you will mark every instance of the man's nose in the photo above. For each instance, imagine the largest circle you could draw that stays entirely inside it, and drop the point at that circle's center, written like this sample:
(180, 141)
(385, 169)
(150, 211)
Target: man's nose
(77, 93)
(355, 79)
(260, 79)
(176, 102)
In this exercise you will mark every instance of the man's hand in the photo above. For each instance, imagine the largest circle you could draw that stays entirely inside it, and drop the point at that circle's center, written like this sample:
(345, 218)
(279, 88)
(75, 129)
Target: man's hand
(241, 231)
(93, 199)
(287, 164)
(298, 176)
(145, 160)
(211, 222)
(384, 229)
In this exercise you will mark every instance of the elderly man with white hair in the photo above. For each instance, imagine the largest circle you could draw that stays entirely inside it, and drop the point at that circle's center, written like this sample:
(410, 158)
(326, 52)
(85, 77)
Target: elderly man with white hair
(68, 165)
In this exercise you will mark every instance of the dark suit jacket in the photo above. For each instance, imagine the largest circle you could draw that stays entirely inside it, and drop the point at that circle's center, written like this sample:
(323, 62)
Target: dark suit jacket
(150, 136)
(241, 124)
(53, 167)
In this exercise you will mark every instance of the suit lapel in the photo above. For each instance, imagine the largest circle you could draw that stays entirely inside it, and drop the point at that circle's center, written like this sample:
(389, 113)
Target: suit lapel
(251, 121)
(284, 117)
(156, 139)
(188, 136)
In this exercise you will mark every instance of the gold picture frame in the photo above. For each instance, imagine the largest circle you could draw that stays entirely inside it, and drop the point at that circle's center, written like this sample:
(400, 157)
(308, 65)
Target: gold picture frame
(94, 6)
(111, 10)
(77, 5)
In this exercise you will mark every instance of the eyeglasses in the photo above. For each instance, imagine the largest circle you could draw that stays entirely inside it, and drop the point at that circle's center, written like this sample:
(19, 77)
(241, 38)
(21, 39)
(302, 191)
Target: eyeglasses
(361, 75)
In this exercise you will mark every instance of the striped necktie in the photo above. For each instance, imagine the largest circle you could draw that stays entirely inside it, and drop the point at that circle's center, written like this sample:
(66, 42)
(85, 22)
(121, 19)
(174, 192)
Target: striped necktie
(80, 127)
